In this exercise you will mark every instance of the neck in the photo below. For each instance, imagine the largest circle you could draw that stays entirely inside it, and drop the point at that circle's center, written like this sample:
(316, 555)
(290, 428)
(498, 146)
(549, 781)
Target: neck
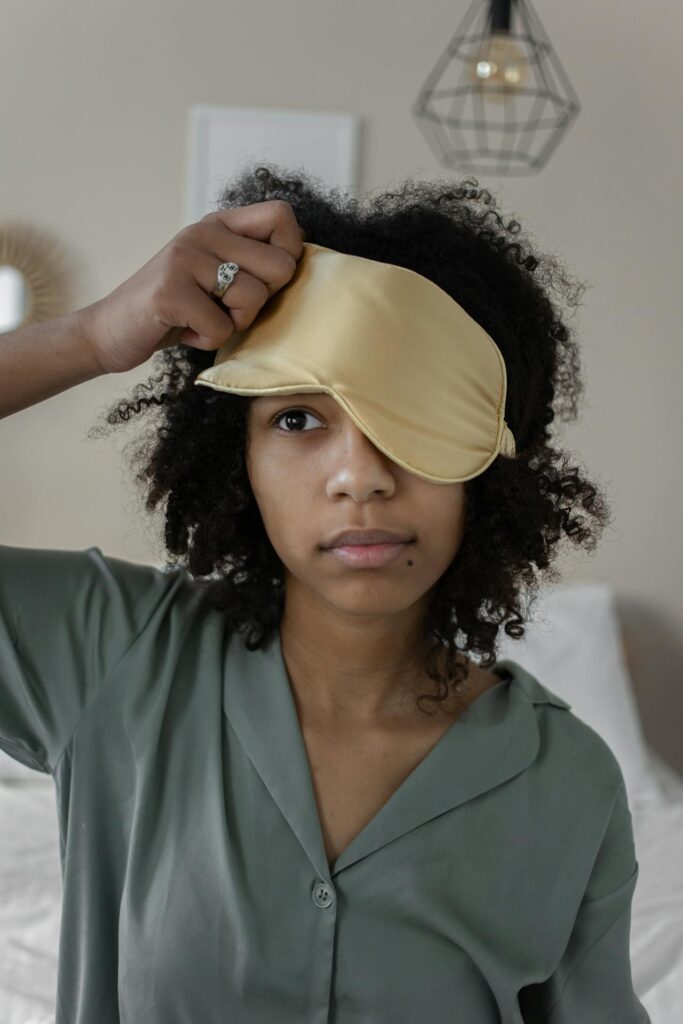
(351, 669)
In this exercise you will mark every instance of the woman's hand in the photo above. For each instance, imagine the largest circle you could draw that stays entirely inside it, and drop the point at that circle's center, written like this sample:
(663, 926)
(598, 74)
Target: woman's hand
(168, 301)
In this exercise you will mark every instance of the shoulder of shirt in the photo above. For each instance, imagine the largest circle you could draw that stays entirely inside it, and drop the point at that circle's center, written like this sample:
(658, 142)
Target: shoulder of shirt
(574, 741)
(145, 585)
(135, 571)
(530, 685)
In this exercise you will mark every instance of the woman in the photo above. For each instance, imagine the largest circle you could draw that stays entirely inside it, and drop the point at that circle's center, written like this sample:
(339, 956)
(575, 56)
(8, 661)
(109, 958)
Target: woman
(259, 820)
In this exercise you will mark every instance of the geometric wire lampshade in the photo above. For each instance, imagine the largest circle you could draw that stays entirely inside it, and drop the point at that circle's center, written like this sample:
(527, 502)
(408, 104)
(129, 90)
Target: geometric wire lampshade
(498, 100)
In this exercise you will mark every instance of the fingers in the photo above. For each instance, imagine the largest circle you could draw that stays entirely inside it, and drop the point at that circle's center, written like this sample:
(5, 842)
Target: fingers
(265, 241)
(271, 221)
(243, 299)
(268, 263)
(206, 324)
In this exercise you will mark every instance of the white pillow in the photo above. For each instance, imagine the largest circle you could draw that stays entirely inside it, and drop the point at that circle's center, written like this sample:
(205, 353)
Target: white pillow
(14, 771)
(574, 647)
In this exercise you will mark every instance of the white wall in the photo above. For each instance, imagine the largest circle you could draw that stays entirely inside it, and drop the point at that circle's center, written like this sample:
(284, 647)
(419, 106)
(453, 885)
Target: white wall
(93, 106)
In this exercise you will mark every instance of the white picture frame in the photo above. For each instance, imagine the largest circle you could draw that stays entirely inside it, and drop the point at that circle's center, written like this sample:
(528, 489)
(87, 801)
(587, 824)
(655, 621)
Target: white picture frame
(221, 140)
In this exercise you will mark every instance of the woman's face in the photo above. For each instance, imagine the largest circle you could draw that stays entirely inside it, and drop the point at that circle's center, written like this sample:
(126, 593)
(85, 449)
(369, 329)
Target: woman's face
(314, 473)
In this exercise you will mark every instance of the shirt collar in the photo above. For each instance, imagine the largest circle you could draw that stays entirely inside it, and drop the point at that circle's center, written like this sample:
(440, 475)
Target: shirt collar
(496, 739)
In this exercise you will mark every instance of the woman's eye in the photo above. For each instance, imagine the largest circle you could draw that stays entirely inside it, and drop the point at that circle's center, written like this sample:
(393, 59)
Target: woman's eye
(292, 414)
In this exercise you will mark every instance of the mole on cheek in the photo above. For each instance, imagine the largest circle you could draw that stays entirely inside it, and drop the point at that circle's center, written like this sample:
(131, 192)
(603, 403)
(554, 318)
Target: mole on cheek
(409, 562)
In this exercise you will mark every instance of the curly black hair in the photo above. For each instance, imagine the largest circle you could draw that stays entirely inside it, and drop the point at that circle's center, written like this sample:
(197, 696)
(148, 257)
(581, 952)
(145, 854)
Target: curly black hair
(517, 511)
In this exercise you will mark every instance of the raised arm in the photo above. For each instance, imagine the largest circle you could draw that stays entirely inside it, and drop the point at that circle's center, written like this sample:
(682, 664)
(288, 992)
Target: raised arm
(40, 360)
(167, 302)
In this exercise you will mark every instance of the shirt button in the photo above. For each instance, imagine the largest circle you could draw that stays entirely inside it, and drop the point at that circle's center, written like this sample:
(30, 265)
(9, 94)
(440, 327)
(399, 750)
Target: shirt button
(322, 894)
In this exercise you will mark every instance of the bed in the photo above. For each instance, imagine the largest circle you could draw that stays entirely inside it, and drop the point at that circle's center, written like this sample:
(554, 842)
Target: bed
(575, 646)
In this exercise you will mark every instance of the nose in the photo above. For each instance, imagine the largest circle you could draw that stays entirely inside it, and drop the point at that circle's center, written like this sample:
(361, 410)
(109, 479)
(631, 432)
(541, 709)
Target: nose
(359, 468)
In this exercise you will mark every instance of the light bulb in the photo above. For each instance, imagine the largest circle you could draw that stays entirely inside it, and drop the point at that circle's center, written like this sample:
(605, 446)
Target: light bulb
(500, 67)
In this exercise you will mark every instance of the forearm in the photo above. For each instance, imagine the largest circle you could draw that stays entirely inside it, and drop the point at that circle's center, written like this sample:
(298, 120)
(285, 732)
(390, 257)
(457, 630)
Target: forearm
(42, 359)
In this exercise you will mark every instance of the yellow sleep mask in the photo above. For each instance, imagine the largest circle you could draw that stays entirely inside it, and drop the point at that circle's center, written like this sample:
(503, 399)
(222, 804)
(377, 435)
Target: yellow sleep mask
(422, 380)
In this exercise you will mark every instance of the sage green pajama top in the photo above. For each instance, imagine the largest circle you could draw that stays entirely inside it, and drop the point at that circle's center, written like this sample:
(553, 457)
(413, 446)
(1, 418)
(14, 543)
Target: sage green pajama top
(495, 885)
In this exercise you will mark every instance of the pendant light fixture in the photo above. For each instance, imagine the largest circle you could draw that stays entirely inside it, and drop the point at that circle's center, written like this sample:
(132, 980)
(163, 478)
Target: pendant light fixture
(498, 100)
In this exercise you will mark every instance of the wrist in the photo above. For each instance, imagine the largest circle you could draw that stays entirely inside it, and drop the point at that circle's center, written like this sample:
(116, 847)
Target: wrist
(82, 324)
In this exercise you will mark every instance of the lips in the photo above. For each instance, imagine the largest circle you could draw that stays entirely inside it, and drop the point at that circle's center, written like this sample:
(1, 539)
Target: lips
(352, 538)
(368, 556)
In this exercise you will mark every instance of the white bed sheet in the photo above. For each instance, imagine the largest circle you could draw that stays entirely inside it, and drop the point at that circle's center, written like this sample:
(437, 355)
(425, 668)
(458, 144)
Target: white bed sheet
(31, 893)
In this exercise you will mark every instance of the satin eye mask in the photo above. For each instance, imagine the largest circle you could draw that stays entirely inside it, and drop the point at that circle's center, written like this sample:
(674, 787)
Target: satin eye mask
(422, 380)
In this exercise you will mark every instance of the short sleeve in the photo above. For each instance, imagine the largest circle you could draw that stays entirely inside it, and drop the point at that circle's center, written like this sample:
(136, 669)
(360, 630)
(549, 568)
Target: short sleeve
(592, 982)
(66, 620)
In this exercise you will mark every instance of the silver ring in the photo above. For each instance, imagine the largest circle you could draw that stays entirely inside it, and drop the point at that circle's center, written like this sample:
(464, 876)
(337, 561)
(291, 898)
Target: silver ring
(225, 275)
